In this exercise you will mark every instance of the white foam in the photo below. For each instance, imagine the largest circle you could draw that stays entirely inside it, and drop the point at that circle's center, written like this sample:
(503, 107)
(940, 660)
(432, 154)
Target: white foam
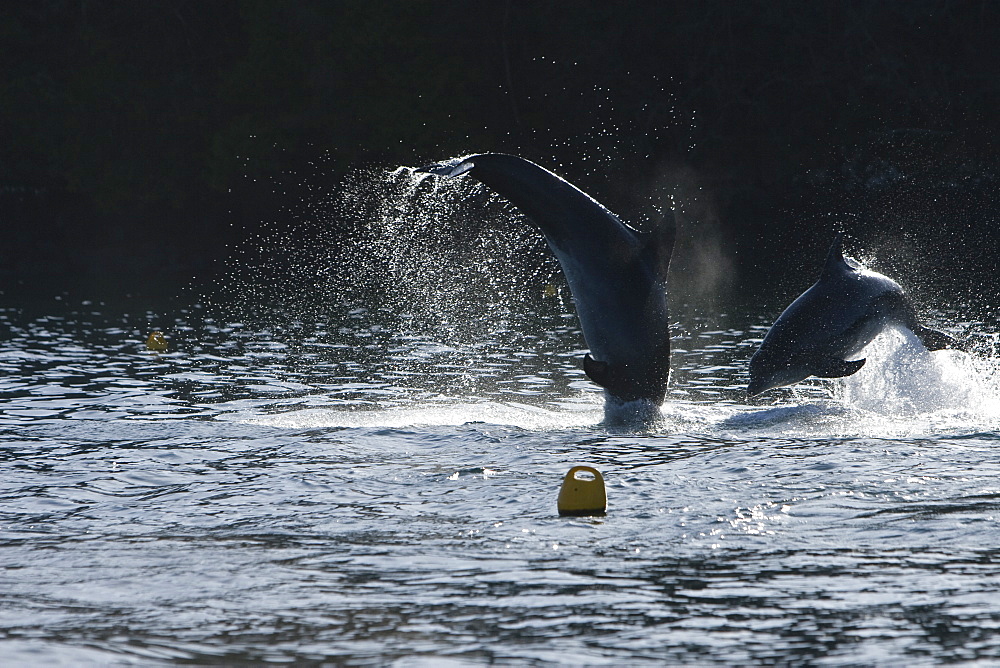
(902, 379)
(448, 414)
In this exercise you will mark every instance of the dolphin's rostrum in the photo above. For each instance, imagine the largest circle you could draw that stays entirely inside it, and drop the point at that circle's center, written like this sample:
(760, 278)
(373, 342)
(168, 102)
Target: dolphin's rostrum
(821, 332)
(618, 275)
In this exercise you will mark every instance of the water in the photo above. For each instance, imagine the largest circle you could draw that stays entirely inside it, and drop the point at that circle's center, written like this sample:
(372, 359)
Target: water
(351, 454)
(347, 490)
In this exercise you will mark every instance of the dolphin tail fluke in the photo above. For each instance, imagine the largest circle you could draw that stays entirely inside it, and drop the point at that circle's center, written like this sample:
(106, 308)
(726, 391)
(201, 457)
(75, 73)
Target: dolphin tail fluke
(932, 338)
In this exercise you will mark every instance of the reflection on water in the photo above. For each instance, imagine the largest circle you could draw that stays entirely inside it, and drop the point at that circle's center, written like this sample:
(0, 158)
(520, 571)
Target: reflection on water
(354, 489)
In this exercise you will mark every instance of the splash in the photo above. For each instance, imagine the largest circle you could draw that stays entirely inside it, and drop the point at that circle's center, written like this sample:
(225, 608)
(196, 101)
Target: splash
(901, 379)
(445, 256)
(439, 256)
(421, 286)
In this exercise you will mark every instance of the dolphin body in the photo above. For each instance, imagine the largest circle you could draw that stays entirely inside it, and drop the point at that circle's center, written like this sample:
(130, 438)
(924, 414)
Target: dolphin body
(831, 322)
(618, 275)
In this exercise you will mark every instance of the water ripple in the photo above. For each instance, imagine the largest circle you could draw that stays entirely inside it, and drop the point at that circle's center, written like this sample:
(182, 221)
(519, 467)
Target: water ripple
(353, 490)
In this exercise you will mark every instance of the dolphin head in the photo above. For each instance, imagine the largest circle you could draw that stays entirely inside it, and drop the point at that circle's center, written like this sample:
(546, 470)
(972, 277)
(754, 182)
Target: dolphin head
(769, 370)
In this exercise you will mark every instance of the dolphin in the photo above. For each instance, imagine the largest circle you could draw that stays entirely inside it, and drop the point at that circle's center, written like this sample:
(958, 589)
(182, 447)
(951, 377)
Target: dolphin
(821, 332)
(617, 274)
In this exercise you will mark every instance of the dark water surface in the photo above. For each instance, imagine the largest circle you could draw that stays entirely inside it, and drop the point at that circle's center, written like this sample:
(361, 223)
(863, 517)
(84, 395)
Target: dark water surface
(350, 491)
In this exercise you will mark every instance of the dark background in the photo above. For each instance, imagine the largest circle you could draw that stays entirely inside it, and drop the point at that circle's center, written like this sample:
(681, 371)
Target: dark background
(140, 141)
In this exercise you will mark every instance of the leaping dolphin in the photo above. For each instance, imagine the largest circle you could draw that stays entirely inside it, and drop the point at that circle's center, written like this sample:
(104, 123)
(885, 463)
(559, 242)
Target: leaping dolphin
(831, 322)
(617, 275)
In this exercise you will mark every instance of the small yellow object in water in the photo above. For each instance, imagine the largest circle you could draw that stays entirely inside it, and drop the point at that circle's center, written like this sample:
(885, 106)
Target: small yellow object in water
(583, 494)
(550, 290)
(157, 342)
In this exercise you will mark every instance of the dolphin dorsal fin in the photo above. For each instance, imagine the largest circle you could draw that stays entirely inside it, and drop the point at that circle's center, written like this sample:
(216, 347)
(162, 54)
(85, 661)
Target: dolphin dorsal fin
(835, 257)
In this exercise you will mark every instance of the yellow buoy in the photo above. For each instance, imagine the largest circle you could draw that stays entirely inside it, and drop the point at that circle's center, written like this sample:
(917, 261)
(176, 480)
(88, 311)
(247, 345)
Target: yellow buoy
(156, 342)
(582, 492)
